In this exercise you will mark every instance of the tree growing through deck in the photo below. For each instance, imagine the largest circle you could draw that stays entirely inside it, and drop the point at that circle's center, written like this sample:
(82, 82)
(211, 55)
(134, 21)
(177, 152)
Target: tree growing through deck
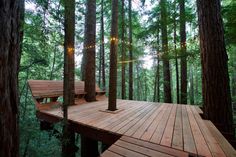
(68, 86)
(166, 64)
(113, 57)
(215, 77)
(89, 147)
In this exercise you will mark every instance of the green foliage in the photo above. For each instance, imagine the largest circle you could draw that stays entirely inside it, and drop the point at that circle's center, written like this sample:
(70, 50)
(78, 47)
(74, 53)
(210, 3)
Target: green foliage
(42, 56)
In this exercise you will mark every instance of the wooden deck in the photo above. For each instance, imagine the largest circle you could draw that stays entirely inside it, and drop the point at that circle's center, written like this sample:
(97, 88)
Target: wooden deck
(145, 129)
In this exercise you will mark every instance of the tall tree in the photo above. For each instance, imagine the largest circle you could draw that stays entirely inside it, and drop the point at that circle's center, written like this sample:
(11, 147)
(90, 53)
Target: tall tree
(102, 77)
(183, 60)
(157, 75)
(89, 50)
(69, 71)
(123, 49)
(215, 78)
(176, 56)
(113, 57)
(166, 64)
(89, 147)
(130, 53)
(9, 68)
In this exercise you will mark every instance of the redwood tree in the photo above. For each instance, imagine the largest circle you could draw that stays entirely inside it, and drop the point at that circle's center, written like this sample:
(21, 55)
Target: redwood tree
(123, 50)
(9, 68)
(89, 147)
(215, 77)
(130, 53)
(183, 60)
(89, 50)
(102, 77)
(113, 57)
(166, 64)
(69, 70)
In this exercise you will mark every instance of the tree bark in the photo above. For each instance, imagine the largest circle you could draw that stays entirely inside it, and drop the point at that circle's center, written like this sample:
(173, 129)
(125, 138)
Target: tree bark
(69, 70)
(130, 53)
(215, 77)
(191, 88)
(166, 64)
(183, 61)
(102, 48)
(113, 58)
(102, 81)
(9, 69)
(157, 76)
(89, 51)
(123, 51)
(176, 58)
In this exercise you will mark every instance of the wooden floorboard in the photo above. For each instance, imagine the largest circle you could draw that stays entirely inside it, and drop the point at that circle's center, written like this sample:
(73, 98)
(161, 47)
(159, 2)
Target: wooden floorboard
(158, 133)
(177, 141)
(201, 145)
(151, 129)
(145, 128)
(168, 133)
(108, 153)
(155, 147)
(210, 140)
(189, 143)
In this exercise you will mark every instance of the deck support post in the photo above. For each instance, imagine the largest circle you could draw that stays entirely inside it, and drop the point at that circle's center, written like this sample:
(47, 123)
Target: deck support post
(89, 147)
(71, 142)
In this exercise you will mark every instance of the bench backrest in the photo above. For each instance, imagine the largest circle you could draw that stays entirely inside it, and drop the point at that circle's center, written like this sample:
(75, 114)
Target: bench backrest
(54, 88)
(43, 89)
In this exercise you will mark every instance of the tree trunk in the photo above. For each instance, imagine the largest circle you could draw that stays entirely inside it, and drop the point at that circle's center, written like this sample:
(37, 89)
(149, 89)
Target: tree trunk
(215, 77)
(89, 51)
(102, 53)
(102, 48)
(130, 53)
(9, 68)
(166, 64)
(69, 70)
(113, 58)
(176, 59)
(191, 89)
(89, 147)
(123, 51)
(183, 61)
(157, 76)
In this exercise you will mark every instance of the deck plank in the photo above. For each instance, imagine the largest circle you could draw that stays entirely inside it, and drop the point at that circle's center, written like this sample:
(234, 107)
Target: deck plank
(168, 133)
(151, 129)
(141, 122)
(189, 144)
(156, 137)
(177, 141)
(125, 152)
(122, 119)
(108, 153)
(212, 143)
(201, 145)
(141, 150)
(127, 112)
(225, 145)
(138, 134)
(135, 120)
(159, 148)
(132, 117)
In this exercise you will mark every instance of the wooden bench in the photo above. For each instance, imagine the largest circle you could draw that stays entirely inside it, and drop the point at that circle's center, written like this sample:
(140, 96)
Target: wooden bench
(46, 93)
